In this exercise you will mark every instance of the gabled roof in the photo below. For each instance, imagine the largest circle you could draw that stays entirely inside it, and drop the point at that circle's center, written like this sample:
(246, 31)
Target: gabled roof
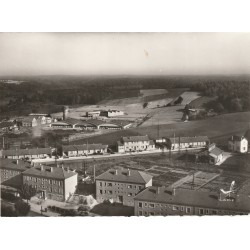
(84, 147)
(236, 138)
(45, 172)
(28, 119)
(215, 152)
(193, 198)
(128, 176)
(30, 151)
(135, 138)
(189, 139)
(17, 165)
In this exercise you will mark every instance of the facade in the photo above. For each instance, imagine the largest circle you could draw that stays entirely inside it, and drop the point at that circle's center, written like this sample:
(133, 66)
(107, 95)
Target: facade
(121, 185)
(61, 125)
(188, 142)
(238, 144)
(135, 143)
(85, 149)
(162, 201)
(32, 153)
(111, 113)
(29, 122)
(215, 154)
(11, 172)
(94, 113)
(54, 183)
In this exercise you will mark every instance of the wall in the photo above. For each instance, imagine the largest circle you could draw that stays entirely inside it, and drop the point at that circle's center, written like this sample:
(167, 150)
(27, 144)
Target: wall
(70, 185)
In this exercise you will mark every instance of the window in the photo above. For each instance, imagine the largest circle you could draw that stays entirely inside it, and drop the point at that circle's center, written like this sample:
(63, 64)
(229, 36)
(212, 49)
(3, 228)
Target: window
(151, 213)
(50, 181)
(140, 212)
(100, 191)
(175, 208)
(214, 212)
(145, 204)
(140, 204)
(110, 192)
(201, 211)
(145, 213)
(54, 182)
(151, 205)
(129, 186)
(109, 184)
(188, 210)
(140, 187)
(130, 194)
(207, 211)
(182, 209)
(100, 184)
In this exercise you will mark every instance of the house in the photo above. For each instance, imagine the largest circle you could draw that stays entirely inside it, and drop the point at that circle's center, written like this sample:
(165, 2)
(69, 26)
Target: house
(163, 201)
(54, 183)
(111, 113)
(31, 153)
(93, 114)
(7, 126)
(215, 154)
(85, 149)
(121, 185)
(99, 124)
(61, 125)
(29, 122)
(188, 142)
(238, 144)
(11, 172)
(135, 143)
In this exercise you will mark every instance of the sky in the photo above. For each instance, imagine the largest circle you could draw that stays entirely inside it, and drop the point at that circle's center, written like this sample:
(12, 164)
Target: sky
(124, 53)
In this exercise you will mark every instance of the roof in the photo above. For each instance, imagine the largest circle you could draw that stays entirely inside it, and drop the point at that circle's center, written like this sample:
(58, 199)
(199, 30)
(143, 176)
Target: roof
(84, 147)
(193, 198)
(189, 139)
(236, 138)
(36, 114)
(28, 119)
(215, 152)
(128, 176)
(135, 138)
(96, 122)
(6, 124)
(122, 123)
(45, 171)
(30, 151)
(17, 165)
(61, 123)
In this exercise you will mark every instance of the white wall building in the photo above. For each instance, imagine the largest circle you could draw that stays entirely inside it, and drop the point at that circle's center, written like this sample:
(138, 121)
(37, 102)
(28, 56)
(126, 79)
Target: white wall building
(238, 144)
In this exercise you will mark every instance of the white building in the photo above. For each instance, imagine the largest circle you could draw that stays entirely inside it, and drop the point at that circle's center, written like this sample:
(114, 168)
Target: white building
(238, 144)
(188, 142)
(135, 143)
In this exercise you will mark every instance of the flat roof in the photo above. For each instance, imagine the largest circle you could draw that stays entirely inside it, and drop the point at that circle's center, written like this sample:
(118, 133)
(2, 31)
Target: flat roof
(193, 198)
(128, 176)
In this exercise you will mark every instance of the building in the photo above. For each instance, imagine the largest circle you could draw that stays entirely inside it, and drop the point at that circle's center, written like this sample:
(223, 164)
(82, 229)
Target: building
(99, 124)
(7, 126)
(31, 153)
(29, 122)
(11, 172)
(111, 113)
(54, 183)
(121, 185)
(42, 118)
(215, 154)
(188, 142)
(135, 143)
(122, 123)
(61, 125)
(163, 201)
(85, 149)
(93, 114)
(238, 144)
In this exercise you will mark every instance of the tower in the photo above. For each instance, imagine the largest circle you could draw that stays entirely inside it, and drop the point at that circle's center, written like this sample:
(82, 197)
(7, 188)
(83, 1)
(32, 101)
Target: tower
(65, 112)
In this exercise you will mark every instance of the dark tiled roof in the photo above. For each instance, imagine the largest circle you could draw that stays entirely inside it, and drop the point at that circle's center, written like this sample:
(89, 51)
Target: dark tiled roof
(30, 151)
(45, 172)
(18, 165)
(128, 176)
(193, 198)
(189, 139)
(135, 138)
(236, 138)
(6, 124)
(84, 147)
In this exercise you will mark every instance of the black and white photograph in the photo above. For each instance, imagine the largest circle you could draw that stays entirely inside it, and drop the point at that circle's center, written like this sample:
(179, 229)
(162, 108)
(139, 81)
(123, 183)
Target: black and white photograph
(124, 124)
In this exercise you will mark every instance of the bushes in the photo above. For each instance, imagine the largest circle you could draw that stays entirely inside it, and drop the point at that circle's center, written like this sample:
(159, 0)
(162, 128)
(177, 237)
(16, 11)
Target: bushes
(63, 211)
(9, 196)
(8, 211)
(22, 208)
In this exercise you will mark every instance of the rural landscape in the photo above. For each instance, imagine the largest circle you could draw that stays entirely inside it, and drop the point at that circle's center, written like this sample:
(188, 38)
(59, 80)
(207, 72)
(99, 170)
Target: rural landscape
(124, 144)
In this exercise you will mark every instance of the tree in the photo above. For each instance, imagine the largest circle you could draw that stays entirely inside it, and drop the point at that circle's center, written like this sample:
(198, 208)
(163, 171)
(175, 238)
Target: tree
(7, 211)
(27, 191)
(219, 107)
(22, 208)
(145, 105)
(236, 105)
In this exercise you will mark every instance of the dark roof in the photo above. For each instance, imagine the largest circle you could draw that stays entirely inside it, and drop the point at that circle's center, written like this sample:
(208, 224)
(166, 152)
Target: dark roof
(30, 151)
(84, 147)
(121, 123)
(189, 139)
(236, 138)
(45, 171)
(17, 165)
(28, 119)
(6, 124)
(193, 198)
(135, 138)
(95, 122)
(128, 176)
(215, 152)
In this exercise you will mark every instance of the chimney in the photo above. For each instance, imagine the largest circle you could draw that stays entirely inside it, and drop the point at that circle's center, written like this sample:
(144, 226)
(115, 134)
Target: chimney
(17, 162)
(158, 190)
(116, 172)
(41, 167)
(173, 192)
(51, 169)
(57, 165)
(128, 172)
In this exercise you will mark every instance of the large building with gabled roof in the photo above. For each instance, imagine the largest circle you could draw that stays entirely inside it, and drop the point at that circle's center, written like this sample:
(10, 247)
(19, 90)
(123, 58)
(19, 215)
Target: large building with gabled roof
(121, 185)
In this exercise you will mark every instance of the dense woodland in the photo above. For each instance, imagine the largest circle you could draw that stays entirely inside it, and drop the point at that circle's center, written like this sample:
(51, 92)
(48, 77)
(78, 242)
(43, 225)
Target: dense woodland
(49, 93)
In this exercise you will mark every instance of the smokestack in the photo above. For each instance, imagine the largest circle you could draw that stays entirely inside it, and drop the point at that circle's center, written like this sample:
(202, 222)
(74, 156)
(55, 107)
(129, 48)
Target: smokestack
(116, 172)
(17, 162)
(128, 172)
(42, 168)
(51, 169)
(158, 190)
(173, 192)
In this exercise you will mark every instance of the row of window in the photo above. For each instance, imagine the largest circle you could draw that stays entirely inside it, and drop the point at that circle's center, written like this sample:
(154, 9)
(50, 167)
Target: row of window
(43, 180)
(129, 186)
(112, 192)
(49, 189)
(10, 172)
